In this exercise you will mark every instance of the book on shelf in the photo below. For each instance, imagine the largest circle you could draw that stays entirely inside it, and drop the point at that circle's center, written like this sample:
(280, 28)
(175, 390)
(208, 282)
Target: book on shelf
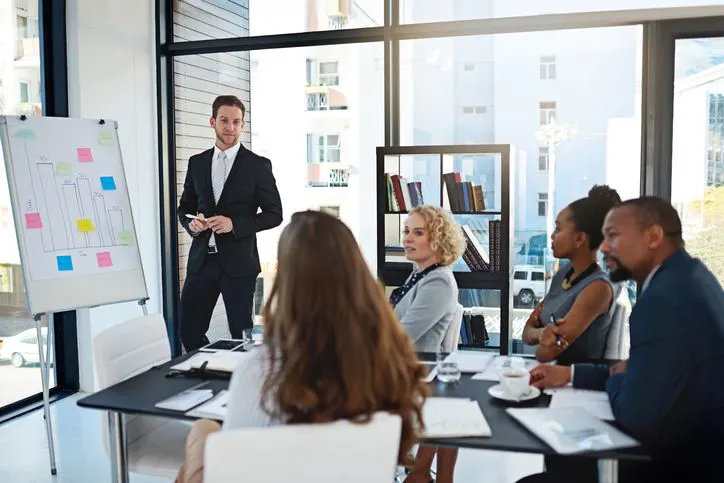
(461, 195)
(402, 194)
(476, 256)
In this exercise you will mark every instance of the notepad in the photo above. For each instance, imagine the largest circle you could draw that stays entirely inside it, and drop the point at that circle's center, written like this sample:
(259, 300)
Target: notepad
(471, 361)
(454, 418)
(215, 409)
(571, 430)
(186, 399)
(595, 402)
(224, 361)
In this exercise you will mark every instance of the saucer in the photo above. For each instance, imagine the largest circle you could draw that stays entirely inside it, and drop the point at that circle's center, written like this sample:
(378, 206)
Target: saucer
(498, 392)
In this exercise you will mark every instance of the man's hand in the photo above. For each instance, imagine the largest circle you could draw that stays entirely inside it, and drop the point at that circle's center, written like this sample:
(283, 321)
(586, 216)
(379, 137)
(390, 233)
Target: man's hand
(220, 224)
(546, 375)
(619, 368)
(197, 226)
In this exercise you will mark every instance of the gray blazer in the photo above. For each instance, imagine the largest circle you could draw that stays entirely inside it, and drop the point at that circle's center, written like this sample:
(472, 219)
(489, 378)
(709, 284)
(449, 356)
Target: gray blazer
(427, 310)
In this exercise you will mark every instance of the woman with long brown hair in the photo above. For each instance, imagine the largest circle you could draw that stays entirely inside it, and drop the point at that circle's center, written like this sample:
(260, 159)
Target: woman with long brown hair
(333, 348)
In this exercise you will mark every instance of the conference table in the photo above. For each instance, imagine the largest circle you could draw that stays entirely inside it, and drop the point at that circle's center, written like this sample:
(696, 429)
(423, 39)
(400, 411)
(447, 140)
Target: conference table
(139, 394)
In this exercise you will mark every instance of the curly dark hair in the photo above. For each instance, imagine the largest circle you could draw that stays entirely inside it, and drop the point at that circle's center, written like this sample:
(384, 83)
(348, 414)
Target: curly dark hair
(589, 213)
(337, 351)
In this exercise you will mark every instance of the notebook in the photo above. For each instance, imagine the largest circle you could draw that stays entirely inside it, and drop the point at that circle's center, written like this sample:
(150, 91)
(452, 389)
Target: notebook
(446, 417)
(571, 430)
(222, 361)
(492, 370)
(595, 402)
(186, 399)
(214, 409)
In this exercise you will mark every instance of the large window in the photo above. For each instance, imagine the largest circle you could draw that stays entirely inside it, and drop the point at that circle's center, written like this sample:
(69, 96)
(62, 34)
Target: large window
(234, 18)
(418, 11)
(697, 181)
(319, 156)
(582, 122)
(20, 82)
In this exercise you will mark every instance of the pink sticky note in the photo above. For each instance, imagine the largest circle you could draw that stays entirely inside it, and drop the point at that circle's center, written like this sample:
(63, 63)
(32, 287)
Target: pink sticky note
(85, 155)
(104, 259)
(33, 221)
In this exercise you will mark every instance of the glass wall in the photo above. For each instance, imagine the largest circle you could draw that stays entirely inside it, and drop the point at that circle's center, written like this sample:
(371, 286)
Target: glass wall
(697, 181)
(569, 102)
(418, 11)
(315, 112)
(20, 93)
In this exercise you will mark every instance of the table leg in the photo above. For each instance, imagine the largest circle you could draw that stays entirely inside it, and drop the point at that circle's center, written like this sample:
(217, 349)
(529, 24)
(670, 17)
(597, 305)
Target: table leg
(118, 449)
(607, 471)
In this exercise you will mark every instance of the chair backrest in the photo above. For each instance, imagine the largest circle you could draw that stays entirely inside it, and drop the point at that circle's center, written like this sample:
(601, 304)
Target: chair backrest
(130, 348)
(452, 336)
(617, 341)
(323, 453)
(125, 350)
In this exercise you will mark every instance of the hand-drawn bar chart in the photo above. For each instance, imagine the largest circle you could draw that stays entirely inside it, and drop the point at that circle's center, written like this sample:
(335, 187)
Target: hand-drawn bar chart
(75, 201)
(76, 213)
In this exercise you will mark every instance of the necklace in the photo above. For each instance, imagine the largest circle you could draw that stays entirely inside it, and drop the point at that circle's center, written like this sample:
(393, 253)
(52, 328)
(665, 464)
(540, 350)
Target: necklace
(568, 283)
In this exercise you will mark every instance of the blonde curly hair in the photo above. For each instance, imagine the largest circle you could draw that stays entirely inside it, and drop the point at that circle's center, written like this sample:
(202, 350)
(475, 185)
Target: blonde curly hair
(446, 234)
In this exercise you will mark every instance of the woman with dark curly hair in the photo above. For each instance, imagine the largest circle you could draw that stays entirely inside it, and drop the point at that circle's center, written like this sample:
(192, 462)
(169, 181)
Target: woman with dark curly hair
(333, 348)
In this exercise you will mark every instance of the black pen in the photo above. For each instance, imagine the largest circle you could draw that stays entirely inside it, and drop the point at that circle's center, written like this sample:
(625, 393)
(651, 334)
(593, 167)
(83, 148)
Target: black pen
(553, 321)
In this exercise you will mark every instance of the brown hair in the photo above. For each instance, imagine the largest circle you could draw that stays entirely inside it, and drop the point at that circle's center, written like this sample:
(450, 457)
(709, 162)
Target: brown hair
(336, 348)
(227, 100)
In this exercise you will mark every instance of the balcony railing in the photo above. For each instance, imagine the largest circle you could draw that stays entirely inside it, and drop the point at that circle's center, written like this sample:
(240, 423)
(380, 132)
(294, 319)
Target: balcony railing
(325, 98)
(328, 175)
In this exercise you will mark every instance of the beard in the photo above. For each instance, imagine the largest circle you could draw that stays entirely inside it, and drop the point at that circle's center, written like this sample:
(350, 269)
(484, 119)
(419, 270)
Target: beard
(618, 273)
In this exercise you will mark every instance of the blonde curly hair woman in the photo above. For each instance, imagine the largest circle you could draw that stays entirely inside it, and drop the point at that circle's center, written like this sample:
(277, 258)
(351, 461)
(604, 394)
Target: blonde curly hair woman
(426, 305)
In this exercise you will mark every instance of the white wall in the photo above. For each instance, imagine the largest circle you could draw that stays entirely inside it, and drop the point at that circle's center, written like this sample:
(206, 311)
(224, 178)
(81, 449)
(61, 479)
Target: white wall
(111, 74)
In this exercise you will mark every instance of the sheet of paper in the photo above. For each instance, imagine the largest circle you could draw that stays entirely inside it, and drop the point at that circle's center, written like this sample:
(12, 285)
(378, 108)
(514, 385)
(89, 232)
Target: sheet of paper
(571, 430)
(454, 418)
(493, 369)
(215, 409)
(595, 402)
(471, 361)
(186, 399)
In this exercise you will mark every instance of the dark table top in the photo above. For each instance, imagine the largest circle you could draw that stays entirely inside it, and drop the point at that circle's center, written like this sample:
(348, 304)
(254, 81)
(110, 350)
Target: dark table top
(138, 395)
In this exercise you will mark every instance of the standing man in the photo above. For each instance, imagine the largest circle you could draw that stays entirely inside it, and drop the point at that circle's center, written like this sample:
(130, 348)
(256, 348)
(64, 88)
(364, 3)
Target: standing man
(224, 189)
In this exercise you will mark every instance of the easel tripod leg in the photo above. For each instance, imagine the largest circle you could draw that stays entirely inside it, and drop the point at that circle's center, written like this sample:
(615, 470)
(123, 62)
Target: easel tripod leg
(46, 392)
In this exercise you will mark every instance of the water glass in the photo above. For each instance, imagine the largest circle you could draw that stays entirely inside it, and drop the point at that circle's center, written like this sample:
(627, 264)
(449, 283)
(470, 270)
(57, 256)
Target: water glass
(448, 371)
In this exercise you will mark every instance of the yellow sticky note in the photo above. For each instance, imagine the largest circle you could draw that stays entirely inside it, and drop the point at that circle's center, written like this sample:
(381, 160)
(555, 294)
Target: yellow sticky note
(106, 138)
(85, 225)
(63, 168)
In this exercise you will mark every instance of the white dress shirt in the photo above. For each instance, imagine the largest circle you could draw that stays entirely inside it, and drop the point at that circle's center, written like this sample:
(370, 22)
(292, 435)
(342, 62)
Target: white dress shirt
(230, 157)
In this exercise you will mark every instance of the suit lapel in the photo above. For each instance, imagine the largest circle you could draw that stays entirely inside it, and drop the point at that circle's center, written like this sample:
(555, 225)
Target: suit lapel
(207, 176)
(234, 171)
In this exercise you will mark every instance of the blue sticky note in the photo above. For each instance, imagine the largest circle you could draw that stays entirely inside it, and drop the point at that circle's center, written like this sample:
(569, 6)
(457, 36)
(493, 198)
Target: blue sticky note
(65, 263)
(108, 183)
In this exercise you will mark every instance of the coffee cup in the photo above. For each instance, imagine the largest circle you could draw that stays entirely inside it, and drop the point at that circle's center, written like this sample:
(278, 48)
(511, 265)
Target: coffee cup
(515, 381)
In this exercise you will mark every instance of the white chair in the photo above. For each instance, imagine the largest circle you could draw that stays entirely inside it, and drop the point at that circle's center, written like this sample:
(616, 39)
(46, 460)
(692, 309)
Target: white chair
(323, 453)
(617, 345)
(156, 446)
(452, 336)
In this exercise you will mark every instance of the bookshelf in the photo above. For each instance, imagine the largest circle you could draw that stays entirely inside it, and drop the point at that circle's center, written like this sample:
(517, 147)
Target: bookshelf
(473, 182)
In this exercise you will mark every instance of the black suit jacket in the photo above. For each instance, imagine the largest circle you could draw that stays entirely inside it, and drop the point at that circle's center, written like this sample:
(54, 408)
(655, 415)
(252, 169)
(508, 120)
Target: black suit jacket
(249, 186)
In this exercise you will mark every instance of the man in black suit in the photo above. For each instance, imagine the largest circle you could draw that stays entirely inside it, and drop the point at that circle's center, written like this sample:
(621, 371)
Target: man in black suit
(224, 188)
